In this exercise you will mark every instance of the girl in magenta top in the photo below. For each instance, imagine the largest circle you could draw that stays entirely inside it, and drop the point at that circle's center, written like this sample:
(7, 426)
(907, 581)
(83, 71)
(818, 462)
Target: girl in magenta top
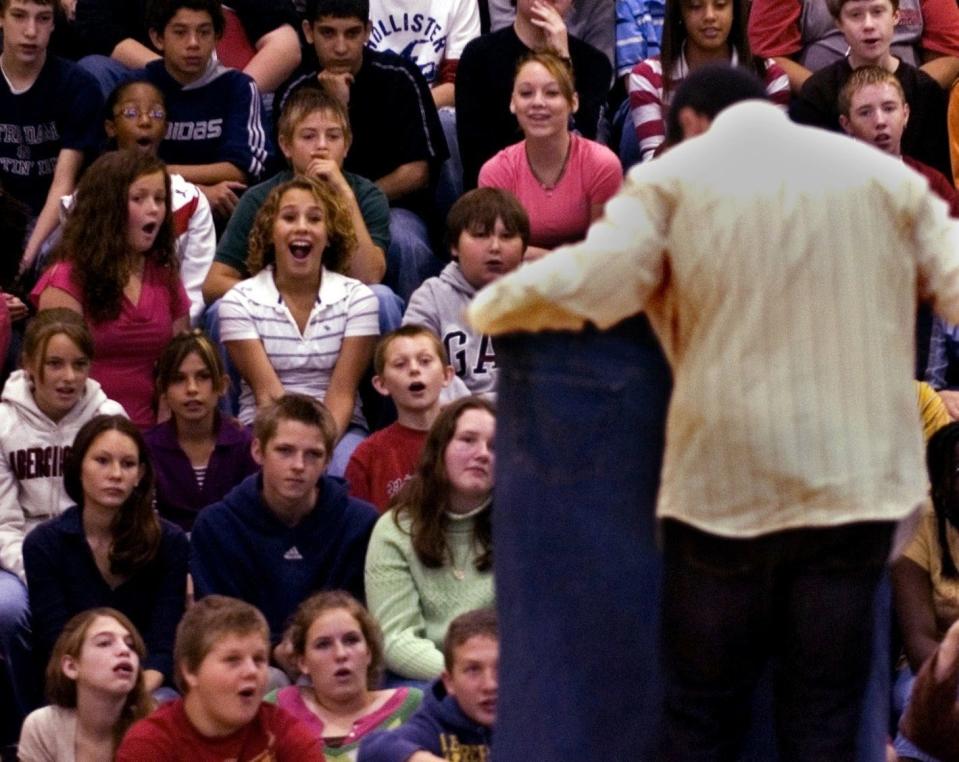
(116, 266)
(339, 646)
(561, 178)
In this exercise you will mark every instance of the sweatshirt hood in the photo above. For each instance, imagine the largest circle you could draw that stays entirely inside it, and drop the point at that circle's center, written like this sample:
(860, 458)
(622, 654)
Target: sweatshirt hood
(452, 275)
(447, 710)
(246, 502)
(213, 70)
(17, 393)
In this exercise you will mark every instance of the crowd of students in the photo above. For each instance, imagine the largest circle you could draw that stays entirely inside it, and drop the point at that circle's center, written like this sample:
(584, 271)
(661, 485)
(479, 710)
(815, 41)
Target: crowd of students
(269, 210)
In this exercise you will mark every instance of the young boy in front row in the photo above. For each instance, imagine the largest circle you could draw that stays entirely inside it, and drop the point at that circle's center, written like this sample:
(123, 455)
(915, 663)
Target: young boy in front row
(455, 720)
(221, 656)
(487, 231)
(411, 367)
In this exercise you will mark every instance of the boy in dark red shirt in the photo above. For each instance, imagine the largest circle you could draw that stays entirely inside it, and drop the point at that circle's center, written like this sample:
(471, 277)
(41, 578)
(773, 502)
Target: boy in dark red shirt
(221, 657)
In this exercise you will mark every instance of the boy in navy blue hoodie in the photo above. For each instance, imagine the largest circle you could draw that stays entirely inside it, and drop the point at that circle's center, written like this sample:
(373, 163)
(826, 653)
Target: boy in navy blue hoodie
(215, 134)
(455, 720)
(291, 530)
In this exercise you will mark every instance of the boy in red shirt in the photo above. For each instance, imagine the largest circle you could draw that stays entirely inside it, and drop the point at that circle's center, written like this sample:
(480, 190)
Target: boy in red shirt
(412, 368)
(221, 656)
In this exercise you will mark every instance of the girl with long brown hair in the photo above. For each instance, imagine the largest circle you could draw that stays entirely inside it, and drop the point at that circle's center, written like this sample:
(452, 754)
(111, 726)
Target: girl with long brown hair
(116, 265)
(110, 548)
(430, 557)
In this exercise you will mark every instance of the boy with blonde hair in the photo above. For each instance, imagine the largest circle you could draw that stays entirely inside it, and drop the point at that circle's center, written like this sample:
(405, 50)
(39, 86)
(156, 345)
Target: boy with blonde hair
(411, 367)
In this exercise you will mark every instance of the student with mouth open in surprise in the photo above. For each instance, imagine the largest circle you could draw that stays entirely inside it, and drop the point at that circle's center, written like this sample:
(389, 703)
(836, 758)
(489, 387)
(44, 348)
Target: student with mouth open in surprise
(116, 265)
(96, 689)
(221, 655)
(299, 324)
(339, 647)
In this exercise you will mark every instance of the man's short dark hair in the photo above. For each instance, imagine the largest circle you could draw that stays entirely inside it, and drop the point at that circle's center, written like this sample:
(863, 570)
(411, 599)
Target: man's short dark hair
(709, 90)
(340, 9)
(159, 13)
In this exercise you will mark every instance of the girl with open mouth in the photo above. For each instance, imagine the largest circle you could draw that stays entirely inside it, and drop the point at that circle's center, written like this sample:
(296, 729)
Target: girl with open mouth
(94, 682)
(339, 647)
(116, 266)
(299, 324)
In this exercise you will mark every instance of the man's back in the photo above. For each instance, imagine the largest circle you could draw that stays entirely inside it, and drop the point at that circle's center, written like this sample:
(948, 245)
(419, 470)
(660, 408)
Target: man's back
(779, 265)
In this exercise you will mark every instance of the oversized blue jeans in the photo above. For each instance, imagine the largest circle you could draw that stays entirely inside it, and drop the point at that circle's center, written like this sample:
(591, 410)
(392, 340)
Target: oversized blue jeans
(18, 676)
(580, 431)
(579, 445)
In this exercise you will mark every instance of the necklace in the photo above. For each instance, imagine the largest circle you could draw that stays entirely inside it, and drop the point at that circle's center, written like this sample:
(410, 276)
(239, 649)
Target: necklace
(549, 187)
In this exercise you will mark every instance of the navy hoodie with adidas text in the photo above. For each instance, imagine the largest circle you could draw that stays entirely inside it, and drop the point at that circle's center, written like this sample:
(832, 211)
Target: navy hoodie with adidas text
(240, 548)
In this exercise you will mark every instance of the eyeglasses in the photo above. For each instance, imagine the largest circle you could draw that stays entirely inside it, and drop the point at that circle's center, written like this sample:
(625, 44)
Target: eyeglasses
(155, 113)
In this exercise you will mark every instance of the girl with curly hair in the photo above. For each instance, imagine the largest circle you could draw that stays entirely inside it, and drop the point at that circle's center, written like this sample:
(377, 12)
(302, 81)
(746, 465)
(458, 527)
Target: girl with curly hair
(430, 557)
(109, 548)
(96, 689)
(116, 265)
(299, 324)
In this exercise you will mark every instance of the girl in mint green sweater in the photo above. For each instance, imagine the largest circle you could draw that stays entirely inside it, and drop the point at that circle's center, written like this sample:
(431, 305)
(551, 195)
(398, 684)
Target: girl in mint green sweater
(430, 557)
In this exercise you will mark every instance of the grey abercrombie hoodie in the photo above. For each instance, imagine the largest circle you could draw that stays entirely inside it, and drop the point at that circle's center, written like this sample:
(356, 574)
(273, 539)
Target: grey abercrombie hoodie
(440, 305)
(33, 449)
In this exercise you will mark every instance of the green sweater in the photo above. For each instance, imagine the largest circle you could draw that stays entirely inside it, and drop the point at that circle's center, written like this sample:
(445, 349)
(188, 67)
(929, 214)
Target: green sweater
(414, 604)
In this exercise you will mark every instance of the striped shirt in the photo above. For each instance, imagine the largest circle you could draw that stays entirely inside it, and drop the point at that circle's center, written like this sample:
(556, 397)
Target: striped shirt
(254, 309)
(648, 105)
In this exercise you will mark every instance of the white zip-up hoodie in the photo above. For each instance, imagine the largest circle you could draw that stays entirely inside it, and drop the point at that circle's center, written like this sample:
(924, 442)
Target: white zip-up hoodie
(32, 453)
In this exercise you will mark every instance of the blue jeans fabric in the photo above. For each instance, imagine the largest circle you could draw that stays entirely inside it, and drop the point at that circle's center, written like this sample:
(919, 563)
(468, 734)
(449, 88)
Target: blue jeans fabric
(390, 308)
(344, 449)
(579, 443)
(628, 142)
(409, 259)
(17, 670)
(449, 187)
(107, 71)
